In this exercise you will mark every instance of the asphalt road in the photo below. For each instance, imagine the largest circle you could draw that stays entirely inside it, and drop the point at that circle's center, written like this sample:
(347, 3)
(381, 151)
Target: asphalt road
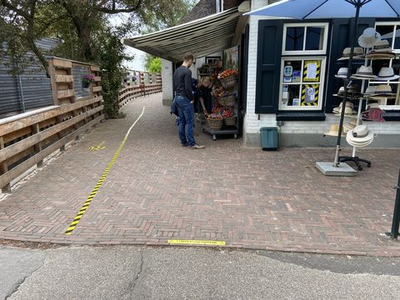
(192, 273)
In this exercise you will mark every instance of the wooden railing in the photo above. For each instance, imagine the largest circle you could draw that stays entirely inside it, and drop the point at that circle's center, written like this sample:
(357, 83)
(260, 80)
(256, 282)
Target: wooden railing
(27, 139)
(132, 92)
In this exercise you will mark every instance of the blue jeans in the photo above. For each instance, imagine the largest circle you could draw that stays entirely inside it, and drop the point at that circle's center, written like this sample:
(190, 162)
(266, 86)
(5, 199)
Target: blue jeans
(186, 119)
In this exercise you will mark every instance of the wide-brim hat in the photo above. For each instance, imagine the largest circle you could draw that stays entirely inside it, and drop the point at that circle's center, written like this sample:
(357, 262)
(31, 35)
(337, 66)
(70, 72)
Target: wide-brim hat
(349, 111)
(382, 91)
(373, 105)
(364, 72)
(368, 38)
(351, 125)
(381, 55)
(359, 145)
(370, 90)
(360, 136)
(386, 74)
(342, 73)
(334, 131)
(382, 46)
(357, 53)
(338, 109)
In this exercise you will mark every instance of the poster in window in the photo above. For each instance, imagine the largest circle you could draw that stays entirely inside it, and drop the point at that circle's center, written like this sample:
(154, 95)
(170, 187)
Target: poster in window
(231, 58)
(310, 95)
(312, 71)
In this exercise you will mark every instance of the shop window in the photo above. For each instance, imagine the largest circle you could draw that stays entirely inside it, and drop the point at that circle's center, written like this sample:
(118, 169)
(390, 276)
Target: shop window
(305, 39)
(302, 83)
(390, 31)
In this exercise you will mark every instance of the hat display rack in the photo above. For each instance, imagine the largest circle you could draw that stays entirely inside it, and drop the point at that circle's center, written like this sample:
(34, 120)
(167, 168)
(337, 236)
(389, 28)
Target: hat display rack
(356, 133)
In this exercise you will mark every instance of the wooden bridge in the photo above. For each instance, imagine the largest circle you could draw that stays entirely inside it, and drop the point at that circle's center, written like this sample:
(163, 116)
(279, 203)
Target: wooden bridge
(28, 138)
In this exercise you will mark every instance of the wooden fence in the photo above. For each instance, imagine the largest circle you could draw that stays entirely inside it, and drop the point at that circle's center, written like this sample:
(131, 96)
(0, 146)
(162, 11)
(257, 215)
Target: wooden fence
(28, 138)
(129, 93)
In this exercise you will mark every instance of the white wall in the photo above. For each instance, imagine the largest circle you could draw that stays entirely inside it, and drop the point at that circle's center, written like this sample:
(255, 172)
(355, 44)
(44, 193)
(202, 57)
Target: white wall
(252, 124)
(167, 88)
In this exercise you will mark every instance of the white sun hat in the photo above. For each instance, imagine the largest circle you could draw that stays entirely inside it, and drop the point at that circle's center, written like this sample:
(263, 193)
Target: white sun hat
(342, 73)
(387, 74)
(368, 38)
(360, 136)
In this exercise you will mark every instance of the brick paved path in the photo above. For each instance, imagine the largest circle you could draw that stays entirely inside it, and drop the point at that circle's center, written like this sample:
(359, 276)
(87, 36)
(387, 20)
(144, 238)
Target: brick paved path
(158, 190)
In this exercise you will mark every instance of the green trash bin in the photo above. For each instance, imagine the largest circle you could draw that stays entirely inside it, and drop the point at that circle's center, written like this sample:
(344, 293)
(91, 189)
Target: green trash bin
(269, 138)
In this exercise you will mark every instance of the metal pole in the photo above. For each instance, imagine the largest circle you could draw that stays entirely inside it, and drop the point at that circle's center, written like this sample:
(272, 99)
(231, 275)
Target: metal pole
(396, 214)
(347, 83)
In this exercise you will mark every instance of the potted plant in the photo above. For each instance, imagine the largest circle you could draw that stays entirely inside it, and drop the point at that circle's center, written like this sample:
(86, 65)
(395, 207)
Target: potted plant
(87, 79)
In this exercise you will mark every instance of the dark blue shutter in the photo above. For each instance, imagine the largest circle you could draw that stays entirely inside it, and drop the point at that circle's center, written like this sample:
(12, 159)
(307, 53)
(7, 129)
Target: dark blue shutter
(342, 30)
(268, 66)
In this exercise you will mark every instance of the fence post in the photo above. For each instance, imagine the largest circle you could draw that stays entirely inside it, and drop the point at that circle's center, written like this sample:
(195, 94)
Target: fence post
(396, 213)
(38, 146)
(4, 169)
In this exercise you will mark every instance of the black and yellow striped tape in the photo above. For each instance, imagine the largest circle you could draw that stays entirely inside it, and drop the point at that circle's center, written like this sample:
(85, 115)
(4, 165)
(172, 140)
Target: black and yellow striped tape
(316, 95)
(103, 177)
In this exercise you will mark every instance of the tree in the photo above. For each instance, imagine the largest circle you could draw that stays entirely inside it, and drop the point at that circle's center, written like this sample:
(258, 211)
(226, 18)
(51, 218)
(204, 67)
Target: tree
(155, 66)
(22, 26)
(157, 20)
(86, 33)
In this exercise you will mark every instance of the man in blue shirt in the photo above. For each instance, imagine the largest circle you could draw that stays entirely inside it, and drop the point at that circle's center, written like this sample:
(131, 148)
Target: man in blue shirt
(184, 101)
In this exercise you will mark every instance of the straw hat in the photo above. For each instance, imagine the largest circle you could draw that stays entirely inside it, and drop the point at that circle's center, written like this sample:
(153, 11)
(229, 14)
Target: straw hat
(364, 73)
(373, 105)
(360, 136)
(351, 125)
(383, 90)
(358, 53)
(334, 130)
(370, 90)
(342, 73)
(382, 49)
(368, 38)
(349, 110)
(387, 74)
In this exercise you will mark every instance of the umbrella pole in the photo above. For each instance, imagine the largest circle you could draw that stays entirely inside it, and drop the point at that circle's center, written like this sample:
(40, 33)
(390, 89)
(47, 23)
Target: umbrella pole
(347, 82)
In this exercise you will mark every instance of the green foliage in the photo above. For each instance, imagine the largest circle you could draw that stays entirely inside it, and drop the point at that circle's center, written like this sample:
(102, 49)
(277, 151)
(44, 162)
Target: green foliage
(155, 66)
(111, 56)
(86, 34)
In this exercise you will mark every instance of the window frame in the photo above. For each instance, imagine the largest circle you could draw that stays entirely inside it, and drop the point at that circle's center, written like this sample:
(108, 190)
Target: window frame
(396, 26)
(321, 83)
(324, 25)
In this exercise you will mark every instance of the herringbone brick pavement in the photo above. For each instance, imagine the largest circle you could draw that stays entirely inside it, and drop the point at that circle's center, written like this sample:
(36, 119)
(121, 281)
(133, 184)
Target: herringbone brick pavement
(158, 191)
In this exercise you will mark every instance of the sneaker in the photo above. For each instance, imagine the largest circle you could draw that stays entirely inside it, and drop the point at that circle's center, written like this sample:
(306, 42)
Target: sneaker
(197, 146)
(185, 144)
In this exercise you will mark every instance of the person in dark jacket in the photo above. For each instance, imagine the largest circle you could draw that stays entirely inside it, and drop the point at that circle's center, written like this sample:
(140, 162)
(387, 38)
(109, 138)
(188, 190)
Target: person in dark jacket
(184, 101)
(206, 100)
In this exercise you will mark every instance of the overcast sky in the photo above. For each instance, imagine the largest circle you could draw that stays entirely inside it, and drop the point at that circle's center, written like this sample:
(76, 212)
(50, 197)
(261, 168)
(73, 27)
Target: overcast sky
(137, 63)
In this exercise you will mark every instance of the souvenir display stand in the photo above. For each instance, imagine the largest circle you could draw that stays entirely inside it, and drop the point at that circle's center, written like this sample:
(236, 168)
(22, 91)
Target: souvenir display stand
(364, 74)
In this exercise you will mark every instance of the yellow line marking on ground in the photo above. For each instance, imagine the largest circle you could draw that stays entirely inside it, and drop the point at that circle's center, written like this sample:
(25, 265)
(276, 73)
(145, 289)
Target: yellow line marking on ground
(98, 147)
(93, 193)
(197, 242)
